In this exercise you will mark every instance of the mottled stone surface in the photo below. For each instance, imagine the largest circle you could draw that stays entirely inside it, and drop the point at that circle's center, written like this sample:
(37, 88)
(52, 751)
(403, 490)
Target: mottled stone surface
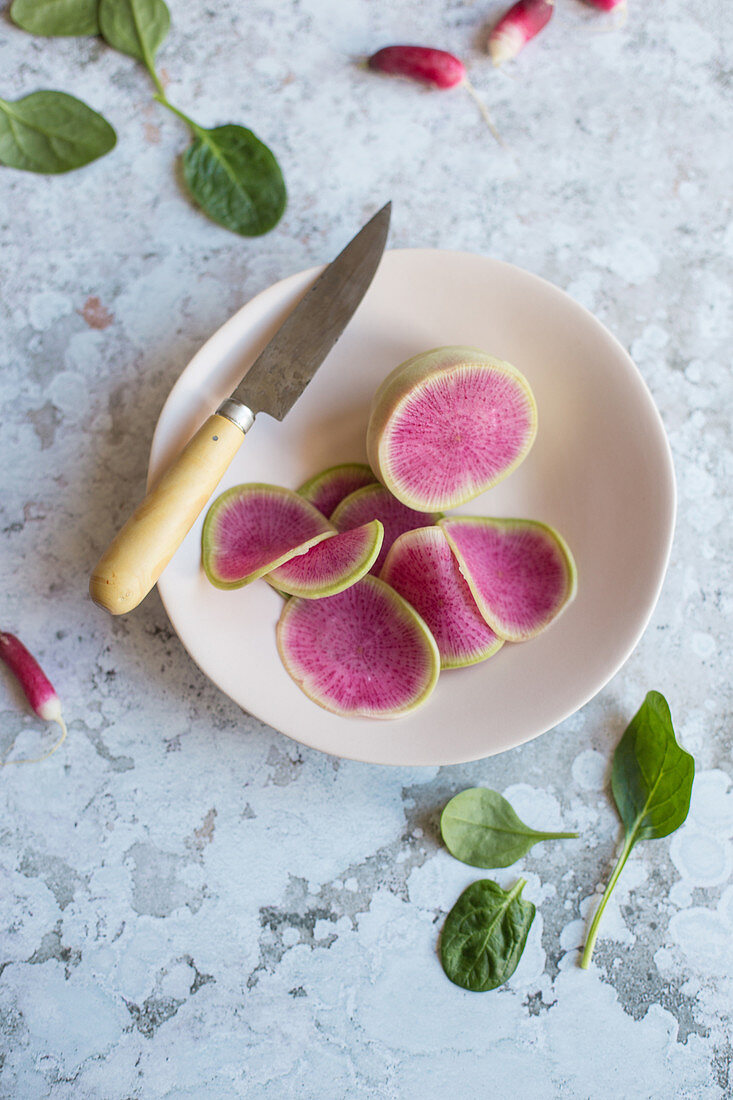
(192, 905)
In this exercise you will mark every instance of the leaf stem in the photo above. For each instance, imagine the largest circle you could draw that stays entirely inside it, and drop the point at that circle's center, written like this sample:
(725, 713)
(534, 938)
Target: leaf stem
(593, 930)
(165, 102)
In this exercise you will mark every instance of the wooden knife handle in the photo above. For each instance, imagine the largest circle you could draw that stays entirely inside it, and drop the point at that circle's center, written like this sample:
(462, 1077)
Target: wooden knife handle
(134, 560)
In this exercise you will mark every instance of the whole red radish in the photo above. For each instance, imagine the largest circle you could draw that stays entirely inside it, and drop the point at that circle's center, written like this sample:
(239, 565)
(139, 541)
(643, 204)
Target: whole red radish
(437, 68)
(423, 63)
(517, 27)
(37, 687)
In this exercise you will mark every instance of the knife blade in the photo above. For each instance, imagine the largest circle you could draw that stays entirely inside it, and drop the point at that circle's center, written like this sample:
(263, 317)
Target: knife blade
(136, 557)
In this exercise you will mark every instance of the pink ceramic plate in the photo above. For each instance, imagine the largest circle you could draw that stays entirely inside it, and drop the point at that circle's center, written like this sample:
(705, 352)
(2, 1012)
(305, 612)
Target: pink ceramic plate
(600, 471)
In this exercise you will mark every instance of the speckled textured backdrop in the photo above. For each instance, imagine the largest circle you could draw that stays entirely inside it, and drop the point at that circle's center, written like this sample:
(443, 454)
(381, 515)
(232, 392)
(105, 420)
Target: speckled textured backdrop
(191, 905)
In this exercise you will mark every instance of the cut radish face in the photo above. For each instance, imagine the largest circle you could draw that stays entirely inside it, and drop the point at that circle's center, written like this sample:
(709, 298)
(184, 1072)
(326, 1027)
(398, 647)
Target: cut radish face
(364, 652)
(251, 529)
(520, 572)
(422, 568)
(447, 425)
(327, 489)
(331, 565)
(375, 502)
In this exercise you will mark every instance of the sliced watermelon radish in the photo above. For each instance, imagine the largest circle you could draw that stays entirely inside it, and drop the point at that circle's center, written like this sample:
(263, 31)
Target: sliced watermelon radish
(521, 572)
(327, 489)
(376, 502)
(331, 565)
(421, 567)
(364, 652)
(251, 529)
(448, 424)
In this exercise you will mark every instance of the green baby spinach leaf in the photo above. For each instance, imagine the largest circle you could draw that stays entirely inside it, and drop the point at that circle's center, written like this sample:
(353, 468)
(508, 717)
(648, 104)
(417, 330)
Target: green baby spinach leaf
(56, 17)
(51, 132)
(135, 27)
(235, 178)
(484, 935)
(481, 828)
(651, 783)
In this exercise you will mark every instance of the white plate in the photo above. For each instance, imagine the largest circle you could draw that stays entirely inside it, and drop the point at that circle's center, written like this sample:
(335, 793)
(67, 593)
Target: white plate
(600, 471)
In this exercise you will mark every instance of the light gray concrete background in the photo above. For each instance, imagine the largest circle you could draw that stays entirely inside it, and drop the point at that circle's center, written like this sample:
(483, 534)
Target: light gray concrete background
(192, 905)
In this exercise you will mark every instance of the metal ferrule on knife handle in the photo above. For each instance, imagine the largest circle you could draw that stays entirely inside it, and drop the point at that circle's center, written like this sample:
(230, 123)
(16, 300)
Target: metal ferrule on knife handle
(132, 563)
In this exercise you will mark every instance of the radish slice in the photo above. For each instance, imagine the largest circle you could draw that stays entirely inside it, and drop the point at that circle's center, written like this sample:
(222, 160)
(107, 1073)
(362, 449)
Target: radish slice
(327, 489)
(448, 424)
(251, 529)
(331, 565)
(521, 572)
(422, 568)
(375, 502)
(364, 652)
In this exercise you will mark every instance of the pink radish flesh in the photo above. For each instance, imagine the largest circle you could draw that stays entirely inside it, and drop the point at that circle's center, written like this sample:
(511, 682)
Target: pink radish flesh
(251, 529)
(330, 566)
(447, 425)
(376, 502)
(521, 573)
(362, 652)
(517, 27)
(422, 568)
(36, 685)
(422, 63)
(327, 489)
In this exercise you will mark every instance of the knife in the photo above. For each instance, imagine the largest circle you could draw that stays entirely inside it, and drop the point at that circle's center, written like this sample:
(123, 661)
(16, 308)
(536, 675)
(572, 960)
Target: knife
(134, 560)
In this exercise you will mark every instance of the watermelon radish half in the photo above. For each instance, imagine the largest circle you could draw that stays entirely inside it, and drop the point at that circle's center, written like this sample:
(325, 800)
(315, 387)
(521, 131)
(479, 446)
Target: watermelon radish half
(327, 489)
(330, 566)
(521, 572)
(364, 652)
(422, 568)
(448, 424)
(251, 529)
(376, 502)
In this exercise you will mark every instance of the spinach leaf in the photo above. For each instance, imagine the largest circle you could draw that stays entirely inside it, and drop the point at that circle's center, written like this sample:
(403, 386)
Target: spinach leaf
(56, 17)
(652, 784)
(481, 828)
(235, 179)
(135, 27)
(484, 935)
(51, 132)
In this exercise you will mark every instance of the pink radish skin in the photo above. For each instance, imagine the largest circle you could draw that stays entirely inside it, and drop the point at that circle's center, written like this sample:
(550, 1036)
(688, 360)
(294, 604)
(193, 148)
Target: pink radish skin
(37, 687)
(517, 27)
(437, 68)
(606, 5)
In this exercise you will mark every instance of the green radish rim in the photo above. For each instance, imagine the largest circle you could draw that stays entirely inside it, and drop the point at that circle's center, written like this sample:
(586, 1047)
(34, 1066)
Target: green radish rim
(363, 475)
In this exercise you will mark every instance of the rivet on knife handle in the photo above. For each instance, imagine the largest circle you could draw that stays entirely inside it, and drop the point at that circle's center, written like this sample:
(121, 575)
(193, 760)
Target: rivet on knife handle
(131, 565)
